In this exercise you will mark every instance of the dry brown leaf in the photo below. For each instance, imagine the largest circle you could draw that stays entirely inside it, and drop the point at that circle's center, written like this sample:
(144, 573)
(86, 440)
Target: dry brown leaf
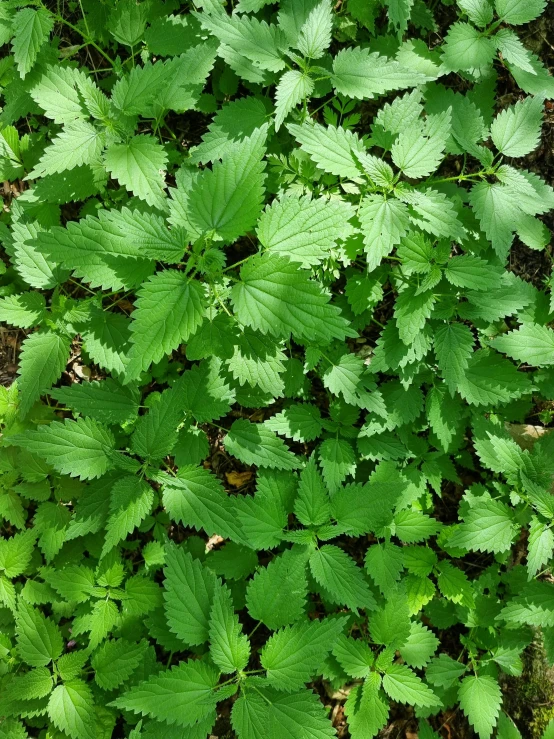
(238, 479)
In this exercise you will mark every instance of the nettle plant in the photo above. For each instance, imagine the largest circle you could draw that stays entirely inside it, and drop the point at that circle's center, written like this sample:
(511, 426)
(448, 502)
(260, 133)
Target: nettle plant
(323, 483)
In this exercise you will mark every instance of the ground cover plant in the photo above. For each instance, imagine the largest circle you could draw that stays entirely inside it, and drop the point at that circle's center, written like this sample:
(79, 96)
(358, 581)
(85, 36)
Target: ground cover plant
(267, 468)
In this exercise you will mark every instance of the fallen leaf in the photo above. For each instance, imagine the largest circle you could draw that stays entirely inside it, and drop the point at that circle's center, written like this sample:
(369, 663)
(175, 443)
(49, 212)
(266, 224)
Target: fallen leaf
(238, 479)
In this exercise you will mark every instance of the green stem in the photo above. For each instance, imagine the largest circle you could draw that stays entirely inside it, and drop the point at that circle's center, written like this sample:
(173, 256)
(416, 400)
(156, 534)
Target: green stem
(86, 37)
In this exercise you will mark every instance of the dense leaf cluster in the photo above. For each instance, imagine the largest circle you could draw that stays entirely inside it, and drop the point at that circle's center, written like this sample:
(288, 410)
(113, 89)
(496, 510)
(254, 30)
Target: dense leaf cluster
(262, 434)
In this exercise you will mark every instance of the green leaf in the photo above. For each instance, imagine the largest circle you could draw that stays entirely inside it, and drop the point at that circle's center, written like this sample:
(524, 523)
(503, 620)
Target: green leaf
(77, 448)
(79, 143)
(472, 273)
(31, 30)
(39, 640)
(331, 148)
(225, 201)
(155, 433)
(511, 48)
(354, 656)
(56, 93)
(294, 86)
(71, 709)
(419, 149)
(366, 709)
(337, 460)
(202, 392)
(480, 698)
(24, 310)
(300, 422)
(384, 563)
(16, 552)
(259, 42)
(229, 647)
(479, 12)
(384, 223)
(466, 48)
(412, 311)
(300, 715)
(404, 686)
(292, 654)
(359, 73)
(519, 12)
(139, 165)
(414, 526)
(277, 594)
(494, 206)
(541, 546)
(127, 22)
(488, 527)
(311, 506)
(443, 671)
(315, 35)
(420, 646)
(115, 661)
(275, 297)
(182, 695)
(196, 498)
(531, 343)
(106, 401)
(189, 589)
(256, 444)
(491, 379)
(339, 575)
(44, 355)
(34, 684)
(108, 240)
(106, 340)
(131, 501)
(169, 309)
(391, 625)
(516, 131)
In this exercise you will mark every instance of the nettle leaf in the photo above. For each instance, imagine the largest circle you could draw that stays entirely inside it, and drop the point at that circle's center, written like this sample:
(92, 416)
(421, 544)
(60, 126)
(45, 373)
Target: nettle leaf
(488, 527)
(531, 343)
(139, 165)
(293, 87)
(292, 654)
(77, 448)
(404, 686)
(275, 297)
(197, 498)
(169, 309)
(332, 148)
(516, 130)
(31, 30)
(339, 575)
(226, 200)
(304, 229)
(229, 647)
(300, 714)
(71, 709)
(255, 444)
(366, 708)
(77, 144)
(358, 73)
(311, 506)
(480, 698)
(39, 640)
(517, 12)
(454, 348)
(44, 355)
(115, 661)
(467, 48)
(182, 695)
(277, 594)
(189, 589)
